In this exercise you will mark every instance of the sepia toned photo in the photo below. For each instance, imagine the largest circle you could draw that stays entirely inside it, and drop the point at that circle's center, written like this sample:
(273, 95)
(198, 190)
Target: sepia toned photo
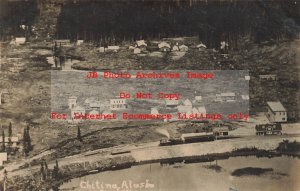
(149, 95)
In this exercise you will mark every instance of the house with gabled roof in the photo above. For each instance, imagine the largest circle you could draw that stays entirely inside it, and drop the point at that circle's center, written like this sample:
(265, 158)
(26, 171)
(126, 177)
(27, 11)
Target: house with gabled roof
(276, 112)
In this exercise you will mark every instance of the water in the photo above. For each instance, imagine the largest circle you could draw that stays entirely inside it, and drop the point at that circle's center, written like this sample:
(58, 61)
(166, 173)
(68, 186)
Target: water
(198, 176)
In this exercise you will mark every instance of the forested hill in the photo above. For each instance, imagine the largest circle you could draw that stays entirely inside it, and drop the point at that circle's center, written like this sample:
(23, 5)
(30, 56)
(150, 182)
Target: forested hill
(116, 21)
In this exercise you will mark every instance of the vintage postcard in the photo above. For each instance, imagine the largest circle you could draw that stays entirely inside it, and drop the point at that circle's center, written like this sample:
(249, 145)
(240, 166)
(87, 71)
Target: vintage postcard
(149, 95)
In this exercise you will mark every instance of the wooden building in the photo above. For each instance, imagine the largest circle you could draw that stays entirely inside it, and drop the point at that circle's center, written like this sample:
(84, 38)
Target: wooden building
(276, 112)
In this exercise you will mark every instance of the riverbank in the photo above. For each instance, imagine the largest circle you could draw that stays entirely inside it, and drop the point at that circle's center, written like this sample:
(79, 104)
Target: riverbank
(126, 160)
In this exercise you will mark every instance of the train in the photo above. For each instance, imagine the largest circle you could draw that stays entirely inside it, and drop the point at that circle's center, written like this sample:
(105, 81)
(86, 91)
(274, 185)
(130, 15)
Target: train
(217, 133)
(188, 138)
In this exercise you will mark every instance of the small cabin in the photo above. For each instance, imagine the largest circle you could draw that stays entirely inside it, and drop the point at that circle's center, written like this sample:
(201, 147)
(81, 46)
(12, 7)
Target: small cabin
(276, 112)
(20, 40)
(221, 131)
(164, 47)
(63, 42)
(3, 157)
(228, 96)
(269, 77)
(112, 49)
(118, 104)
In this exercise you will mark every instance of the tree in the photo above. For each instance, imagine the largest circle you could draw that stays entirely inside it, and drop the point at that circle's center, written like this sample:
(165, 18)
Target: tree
(55, 172)
(42, 171)
(9, 138)
(28, 139)
(3, 141)
(79, 134)
(10, 130)
(46, 169)
(25, 143)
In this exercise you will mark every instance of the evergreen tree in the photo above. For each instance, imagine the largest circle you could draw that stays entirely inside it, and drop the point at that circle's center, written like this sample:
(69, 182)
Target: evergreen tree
(3, 141)
(10, 130)
(9, 138)
(55, 172)
(46, 169)
(28, 139)
(25, 143)
(79, 134)
(42, 170)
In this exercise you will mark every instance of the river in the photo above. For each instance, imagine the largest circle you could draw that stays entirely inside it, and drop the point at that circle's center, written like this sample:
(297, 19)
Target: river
(276, 174)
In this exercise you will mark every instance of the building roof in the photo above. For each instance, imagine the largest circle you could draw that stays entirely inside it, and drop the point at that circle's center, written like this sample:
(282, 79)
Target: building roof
(187, 102)
(220, 129)
(171, 102)
(276, 106)
(154, 110)
(20, 39)
(245, 97)
(267, 75)
(201, 45)
(183, 46)
(141, 43)
(185, 109)
(198, 98)
(163, 44)
(63, 41)
(190, 135)
(113, 47)
(227, 94)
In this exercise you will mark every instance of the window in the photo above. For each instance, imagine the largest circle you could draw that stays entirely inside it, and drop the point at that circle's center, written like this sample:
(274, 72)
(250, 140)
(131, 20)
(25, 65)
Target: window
(283, 118)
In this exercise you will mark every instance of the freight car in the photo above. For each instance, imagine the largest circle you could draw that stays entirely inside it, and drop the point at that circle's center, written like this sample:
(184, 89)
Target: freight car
(188, 138)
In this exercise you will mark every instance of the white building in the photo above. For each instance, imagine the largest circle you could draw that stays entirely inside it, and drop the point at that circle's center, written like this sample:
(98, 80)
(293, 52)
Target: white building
(118, 104)
(198, 98)
(113, 48)
(79, 42)
(183, 48)
(3, 157)
(164, 46)
(247, 78)
(268, 77)
(72, 101)
(245, 97)
(201, 46)
(228, 96)
(276, 112)
(154, 111)
(20, 40)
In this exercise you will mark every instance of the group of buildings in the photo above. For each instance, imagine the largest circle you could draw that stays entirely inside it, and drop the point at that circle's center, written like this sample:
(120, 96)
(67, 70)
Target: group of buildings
(172, 106)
